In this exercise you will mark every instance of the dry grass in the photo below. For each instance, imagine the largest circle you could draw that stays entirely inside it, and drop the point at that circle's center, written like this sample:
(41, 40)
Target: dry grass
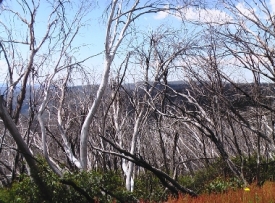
(264, 194)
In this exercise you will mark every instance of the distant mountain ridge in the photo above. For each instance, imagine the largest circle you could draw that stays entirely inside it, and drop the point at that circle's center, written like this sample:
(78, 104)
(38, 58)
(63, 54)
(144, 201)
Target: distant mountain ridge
(236, 97)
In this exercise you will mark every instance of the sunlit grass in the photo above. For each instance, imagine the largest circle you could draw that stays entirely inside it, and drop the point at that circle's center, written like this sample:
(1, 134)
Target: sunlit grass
(251, 194)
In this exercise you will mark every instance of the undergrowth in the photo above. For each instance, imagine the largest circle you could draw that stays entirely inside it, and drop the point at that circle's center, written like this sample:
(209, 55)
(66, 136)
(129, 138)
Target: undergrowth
(212, 184)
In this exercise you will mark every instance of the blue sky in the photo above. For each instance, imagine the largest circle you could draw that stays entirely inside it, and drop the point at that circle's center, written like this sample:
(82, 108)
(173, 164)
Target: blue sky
(92, 34)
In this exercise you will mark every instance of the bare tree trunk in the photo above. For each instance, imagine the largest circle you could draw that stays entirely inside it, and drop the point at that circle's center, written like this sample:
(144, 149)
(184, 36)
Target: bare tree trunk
(22, 146)
(67, 147)
(91, 113)
(129, 167)
(52, 165)
(166, 180)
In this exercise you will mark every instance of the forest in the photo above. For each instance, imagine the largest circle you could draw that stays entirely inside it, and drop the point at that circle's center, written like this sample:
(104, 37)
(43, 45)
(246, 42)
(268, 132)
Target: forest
(183, 107)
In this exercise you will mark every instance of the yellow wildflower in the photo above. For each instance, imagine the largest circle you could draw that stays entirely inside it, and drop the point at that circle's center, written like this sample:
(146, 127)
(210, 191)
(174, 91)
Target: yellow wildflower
(246, 189)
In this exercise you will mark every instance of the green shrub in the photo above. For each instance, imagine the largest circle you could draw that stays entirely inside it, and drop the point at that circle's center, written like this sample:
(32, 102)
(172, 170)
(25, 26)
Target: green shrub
(266, 168)
(220, 185)
(110, 186)
(149, 188)
(200, 178)
(100, 186)
(21, 191)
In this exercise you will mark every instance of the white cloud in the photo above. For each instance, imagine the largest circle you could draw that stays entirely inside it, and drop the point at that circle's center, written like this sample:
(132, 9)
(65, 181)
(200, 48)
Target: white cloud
(245, 11)
(206, 15)
(196, 14)
(162, 14)
(272, 4)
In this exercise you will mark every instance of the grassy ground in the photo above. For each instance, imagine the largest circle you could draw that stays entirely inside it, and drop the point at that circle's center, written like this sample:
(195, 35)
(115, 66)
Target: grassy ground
(251, 194)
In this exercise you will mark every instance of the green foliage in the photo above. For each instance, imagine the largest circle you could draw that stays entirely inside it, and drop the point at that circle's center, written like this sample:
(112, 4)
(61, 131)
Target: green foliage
(100, 186)
(201, 177)
(148, 187)
(266, 168)
(215, 178)
(110, 186)
(21, 191)
(220, 185)
(218, 177)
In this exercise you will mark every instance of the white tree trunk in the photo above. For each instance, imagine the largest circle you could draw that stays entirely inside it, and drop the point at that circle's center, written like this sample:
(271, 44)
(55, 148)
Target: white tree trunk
(24, 149)
(67, 146)
(91, 113)
(128, 166)
(113, 39)
(40, 112)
